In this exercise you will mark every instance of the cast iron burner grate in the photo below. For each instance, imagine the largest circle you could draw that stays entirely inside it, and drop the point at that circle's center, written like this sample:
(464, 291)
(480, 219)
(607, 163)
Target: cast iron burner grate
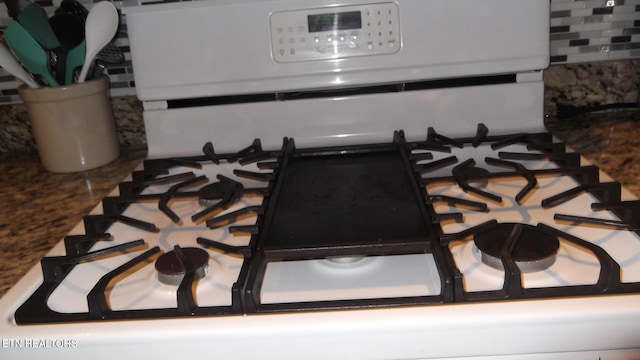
(386, 184)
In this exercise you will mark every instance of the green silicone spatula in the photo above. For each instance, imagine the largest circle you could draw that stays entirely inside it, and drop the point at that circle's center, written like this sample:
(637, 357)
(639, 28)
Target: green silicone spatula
(35, 21)
(28, 51)
(75, 59)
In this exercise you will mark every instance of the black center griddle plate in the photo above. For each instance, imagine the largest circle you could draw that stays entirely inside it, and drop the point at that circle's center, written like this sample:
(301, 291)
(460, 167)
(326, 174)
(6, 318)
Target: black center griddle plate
(346, 204)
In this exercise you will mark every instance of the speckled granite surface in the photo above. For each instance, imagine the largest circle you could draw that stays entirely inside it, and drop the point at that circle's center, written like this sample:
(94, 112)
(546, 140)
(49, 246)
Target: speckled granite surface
(610, 140)
(592, 84)
(38, 208)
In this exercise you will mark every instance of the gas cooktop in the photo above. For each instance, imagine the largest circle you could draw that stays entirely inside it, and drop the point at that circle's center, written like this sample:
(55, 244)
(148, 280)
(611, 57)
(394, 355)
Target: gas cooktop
(436, 221)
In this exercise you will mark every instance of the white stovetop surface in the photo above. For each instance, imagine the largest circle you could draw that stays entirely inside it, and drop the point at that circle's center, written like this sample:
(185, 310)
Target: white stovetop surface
(573, 265)
(562, 329)
(566, 328)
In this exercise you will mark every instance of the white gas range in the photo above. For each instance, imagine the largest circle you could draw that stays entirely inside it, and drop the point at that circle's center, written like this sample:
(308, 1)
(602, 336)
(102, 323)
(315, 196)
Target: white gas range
(342, 180)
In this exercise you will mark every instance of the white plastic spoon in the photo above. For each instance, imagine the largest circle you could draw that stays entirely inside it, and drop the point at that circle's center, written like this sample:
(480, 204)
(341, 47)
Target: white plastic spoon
(13, 67)
(99, 29)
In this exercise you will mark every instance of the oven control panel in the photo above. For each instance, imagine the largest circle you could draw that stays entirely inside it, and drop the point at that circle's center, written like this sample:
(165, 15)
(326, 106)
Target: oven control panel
(335, 32)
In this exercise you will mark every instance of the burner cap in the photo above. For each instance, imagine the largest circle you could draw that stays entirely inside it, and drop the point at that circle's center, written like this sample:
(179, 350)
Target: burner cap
(534, 250)
(215, 193)
(474, 171)
(171, 269)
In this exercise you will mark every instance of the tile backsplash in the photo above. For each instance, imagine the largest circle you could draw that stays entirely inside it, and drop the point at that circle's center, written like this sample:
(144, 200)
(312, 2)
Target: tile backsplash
(594, 30)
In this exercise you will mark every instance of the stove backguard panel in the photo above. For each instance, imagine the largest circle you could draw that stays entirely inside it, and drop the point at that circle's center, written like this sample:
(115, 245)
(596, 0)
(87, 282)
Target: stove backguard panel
(237, 58)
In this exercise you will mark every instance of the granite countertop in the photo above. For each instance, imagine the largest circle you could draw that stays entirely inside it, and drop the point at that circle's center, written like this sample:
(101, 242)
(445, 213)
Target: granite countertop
(38, 208)
(610, 140)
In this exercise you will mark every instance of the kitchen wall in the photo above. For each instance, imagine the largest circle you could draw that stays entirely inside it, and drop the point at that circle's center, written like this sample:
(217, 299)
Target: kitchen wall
(589, 36)
(594, 30)
(594, 44)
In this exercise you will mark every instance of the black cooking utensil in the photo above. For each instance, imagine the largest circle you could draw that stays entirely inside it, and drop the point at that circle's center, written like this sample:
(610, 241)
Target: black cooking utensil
(69, 30)
(73, 7)
(110, 54)
(14, 7)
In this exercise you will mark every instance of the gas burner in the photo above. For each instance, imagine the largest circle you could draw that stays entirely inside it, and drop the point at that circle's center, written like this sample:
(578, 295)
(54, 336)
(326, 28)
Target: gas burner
(172, 266)
(218, 192)
(345, 260)
(532, 249)
(347, 263)
(472, 171)
(464, 174)
(217, 196)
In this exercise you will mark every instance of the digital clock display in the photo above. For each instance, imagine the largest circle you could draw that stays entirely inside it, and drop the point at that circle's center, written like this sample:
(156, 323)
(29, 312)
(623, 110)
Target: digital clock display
(335, 21)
